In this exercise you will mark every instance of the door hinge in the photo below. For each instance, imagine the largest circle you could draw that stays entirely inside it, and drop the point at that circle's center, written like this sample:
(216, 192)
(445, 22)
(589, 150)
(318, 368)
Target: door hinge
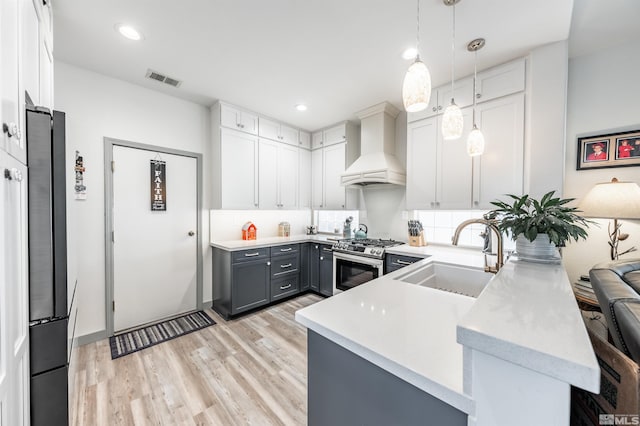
(113, 305)
(113, 166)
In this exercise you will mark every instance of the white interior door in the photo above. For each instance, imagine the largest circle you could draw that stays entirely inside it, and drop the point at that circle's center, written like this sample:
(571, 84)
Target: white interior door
(154, 252)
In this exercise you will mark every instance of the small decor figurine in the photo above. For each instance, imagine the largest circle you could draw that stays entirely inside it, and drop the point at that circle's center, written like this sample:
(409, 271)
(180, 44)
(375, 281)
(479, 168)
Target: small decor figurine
(538, 227)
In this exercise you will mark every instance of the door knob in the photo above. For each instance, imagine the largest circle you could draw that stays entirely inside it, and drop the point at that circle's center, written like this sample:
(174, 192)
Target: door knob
(191, 233)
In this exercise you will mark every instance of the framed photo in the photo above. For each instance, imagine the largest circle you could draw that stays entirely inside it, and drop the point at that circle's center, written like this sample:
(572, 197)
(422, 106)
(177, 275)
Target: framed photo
(610, 150)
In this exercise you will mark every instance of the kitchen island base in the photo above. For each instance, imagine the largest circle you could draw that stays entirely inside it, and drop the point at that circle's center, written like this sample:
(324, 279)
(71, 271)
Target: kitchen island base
(347, 389)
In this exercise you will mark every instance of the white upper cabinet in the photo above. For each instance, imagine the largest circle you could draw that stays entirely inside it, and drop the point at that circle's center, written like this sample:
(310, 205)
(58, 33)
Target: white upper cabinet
(30, 49)
(276, 131)
(278, 171)
(304, 170)
(238, 119)
(336, 134)
(304, 139)
(501, 81)
(441, 98)
(13, 140)
(500, 170)
(317, 140)
(236, 164)
(438, 172)
(463, 94)
(327, 165)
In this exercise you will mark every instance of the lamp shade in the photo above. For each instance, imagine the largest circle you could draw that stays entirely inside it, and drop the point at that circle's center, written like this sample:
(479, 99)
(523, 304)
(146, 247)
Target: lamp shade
(612, 200)
(475, 142)
(416, 88)
(452, 122)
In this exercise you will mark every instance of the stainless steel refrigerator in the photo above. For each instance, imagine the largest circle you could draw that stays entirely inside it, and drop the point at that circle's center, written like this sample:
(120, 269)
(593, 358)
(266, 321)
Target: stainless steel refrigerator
(48, 316)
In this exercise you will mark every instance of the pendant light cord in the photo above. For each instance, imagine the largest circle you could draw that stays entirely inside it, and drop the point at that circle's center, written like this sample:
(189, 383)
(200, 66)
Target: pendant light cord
(453, 50)
(418, 31)
(475, 76)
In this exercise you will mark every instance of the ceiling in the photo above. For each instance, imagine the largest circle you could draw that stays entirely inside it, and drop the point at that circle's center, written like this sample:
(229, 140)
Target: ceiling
(336, 56)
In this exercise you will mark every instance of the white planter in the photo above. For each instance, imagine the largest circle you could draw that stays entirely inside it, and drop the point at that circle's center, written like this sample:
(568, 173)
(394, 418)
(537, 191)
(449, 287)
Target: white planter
(540, 248)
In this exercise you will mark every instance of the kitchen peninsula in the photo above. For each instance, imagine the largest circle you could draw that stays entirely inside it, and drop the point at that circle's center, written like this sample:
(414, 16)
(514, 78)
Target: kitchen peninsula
(391, 351)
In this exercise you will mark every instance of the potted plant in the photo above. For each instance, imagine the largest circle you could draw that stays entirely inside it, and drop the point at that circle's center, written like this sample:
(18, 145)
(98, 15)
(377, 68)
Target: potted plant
(538, 227)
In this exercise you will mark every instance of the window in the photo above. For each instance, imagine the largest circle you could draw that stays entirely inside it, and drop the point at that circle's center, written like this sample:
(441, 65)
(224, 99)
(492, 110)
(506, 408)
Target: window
(332, 221)
(440, 225)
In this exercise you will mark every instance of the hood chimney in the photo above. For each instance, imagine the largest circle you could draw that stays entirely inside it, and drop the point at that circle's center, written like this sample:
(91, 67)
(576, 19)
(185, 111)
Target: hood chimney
(377, 162)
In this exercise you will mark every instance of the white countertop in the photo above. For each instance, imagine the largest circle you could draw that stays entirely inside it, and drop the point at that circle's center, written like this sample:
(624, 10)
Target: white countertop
(234, 245)
(403, 328)
(528, 315)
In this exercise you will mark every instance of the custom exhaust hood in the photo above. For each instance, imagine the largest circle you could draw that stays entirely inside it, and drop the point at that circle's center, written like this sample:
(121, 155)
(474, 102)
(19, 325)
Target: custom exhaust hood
(377, 163)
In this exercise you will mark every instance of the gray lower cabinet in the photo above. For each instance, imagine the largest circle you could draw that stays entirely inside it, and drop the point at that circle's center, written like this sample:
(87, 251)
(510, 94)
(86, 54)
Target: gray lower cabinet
(305, 281)
(346, 389)
(394, 262)
(247, 279)
(250, 285)
(325, 278)
(314, 267)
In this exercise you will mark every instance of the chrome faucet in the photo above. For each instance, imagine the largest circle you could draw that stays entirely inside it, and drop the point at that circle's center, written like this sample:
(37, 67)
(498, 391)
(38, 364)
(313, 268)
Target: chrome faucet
(491, 224)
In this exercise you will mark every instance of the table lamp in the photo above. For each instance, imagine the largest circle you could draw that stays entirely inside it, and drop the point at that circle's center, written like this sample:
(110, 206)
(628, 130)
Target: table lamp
(613, 200)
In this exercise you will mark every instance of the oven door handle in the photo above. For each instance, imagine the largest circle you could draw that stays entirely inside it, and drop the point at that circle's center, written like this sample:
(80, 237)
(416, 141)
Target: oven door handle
(358, 259)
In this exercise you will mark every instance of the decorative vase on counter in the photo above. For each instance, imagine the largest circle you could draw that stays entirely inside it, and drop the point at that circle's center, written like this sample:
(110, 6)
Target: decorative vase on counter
(539, 249)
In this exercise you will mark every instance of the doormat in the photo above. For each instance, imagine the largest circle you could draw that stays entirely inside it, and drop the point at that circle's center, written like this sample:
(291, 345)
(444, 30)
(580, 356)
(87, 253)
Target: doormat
(141, 338)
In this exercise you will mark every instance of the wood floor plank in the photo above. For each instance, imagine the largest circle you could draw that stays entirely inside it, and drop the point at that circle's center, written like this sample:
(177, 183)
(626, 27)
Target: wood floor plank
(250, 370)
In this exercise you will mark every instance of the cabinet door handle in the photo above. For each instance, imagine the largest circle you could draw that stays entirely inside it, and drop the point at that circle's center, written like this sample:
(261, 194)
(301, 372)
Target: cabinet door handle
(478, 95)
(287, 249)
(285, 286)
(321, 258)
(439, 107)
(402, 262)
(288, 265)
(316, 246)
(252, 254)
(434, 109)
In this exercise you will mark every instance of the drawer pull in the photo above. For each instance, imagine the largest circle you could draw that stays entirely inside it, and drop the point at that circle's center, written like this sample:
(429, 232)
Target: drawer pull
(252, 254)
(284, 272)
(287, 249)
(284, 287)
(403, 262)
(288, 265)
(326, 249)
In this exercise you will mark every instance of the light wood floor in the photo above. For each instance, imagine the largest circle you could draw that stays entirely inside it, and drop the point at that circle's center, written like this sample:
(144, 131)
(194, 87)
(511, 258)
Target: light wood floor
(252, 370)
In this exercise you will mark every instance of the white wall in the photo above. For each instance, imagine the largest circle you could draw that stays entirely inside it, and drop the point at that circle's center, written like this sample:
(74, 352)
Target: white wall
(99, 106)
(603, 97)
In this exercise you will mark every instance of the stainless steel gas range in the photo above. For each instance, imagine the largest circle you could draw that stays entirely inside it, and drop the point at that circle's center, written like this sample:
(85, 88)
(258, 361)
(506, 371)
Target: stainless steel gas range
(357, 261)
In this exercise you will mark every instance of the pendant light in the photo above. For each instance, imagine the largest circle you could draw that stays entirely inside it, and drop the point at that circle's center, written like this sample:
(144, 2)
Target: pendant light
(452, 121)
(475, 141)
(416, 88)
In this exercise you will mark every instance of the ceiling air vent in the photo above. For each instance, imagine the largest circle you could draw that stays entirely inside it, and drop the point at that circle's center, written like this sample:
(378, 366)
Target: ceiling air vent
(163, 78)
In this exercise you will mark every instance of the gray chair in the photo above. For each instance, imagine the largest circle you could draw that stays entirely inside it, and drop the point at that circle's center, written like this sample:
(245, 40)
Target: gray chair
(617, 287)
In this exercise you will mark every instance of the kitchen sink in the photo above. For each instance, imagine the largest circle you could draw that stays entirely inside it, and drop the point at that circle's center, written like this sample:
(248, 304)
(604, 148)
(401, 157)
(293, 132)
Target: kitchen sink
(452, 278)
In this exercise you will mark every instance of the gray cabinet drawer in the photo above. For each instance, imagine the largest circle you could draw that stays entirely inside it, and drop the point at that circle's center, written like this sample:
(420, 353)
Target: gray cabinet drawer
(394, 262)
(284, 249)
(284, 265)
(247, 255)
(284, 287)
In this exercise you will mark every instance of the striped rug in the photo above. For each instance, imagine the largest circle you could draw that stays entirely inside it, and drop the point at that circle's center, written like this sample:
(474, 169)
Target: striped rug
(141, 338)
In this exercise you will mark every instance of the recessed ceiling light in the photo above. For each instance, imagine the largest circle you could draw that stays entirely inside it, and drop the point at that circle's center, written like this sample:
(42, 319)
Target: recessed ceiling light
(128, 32)
(410, 53)
(301, 107)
